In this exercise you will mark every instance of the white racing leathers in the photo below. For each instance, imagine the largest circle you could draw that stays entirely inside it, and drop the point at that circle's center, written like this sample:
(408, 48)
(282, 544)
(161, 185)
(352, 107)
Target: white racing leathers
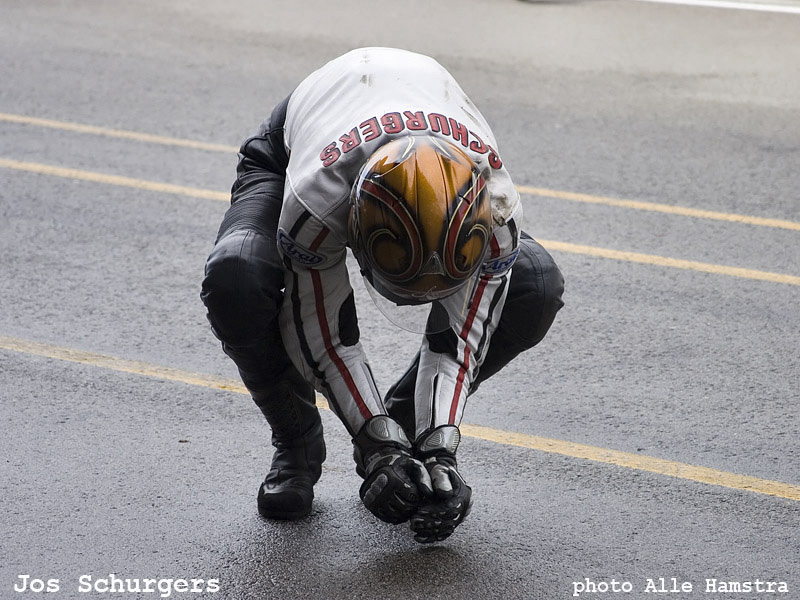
(336, 119)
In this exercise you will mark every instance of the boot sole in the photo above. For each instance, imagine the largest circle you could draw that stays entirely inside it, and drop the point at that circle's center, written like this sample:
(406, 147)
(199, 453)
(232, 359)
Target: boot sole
(286, 505)
(283, 515)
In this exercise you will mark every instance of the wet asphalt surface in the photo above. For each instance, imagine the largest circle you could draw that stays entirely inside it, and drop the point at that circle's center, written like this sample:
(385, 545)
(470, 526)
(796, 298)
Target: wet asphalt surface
(111, 472)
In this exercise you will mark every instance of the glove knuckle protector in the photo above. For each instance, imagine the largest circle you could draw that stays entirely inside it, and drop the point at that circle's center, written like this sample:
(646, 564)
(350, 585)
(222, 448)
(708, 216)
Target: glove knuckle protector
(383, 458)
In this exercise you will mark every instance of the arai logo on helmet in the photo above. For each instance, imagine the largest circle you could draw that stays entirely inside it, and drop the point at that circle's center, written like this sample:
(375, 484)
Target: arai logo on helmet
(295, 251)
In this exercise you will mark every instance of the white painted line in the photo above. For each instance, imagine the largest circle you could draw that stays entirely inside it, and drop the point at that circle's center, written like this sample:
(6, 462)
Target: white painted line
(754, 6)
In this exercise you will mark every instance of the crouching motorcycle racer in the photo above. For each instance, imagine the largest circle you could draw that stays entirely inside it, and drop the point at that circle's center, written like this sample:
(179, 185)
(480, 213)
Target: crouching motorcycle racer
(382, 152)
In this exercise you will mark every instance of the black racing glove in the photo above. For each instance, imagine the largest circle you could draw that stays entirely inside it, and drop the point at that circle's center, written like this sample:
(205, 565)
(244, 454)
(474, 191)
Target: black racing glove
(395, 483)
(451, 502)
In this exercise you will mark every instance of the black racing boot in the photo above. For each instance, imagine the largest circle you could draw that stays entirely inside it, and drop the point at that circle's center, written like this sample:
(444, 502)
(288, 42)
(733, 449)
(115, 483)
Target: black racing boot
(288, 489)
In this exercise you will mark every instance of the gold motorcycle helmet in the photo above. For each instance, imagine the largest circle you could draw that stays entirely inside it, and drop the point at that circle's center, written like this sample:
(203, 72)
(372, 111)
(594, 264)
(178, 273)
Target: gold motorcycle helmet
(420, 220)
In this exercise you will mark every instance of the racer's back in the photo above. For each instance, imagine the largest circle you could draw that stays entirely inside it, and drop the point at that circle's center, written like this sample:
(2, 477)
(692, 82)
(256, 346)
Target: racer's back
(340, 114)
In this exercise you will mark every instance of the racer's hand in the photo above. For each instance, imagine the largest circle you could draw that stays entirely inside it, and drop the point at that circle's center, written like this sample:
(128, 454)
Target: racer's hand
(451, 502)
(395, 483)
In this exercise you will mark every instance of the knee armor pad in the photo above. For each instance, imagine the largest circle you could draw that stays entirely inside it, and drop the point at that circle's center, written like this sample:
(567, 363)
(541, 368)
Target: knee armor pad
(534, 295)
(242, 287)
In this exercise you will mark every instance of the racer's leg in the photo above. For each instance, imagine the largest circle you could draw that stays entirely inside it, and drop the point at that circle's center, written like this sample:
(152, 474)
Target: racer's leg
(534, 298)
(242, 291)
(399, 400)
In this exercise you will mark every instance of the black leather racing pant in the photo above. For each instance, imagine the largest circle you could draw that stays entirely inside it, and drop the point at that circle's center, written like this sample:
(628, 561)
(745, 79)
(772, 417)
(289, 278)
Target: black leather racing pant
(243, 288)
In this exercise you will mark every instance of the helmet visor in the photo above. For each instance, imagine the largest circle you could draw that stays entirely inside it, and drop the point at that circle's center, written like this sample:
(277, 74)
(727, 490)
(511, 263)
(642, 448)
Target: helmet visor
(424, 314)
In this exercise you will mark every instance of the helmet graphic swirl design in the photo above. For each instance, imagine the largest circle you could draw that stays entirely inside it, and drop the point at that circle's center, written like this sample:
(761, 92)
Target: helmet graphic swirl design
(420, 219)
(465, 229)
(403, 263)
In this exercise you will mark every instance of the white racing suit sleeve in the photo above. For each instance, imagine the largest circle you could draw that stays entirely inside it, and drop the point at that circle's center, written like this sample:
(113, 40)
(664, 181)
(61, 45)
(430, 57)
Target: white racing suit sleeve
(318, 321)
(450, 360)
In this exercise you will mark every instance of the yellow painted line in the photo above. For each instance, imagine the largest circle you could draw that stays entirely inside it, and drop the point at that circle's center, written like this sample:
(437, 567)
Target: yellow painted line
(675, 263)
(581, 451)
(684, 211)
(523, 189)
(126, 366)
(553, 245)
(637, 462)
(169, 188)
(117, 133)
(140, 184)
(118, 364)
